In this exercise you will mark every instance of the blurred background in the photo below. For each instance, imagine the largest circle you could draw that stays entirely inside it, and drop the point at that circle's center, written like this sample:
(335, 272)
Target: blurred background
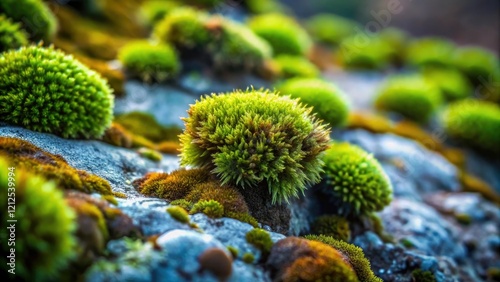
(464, 21)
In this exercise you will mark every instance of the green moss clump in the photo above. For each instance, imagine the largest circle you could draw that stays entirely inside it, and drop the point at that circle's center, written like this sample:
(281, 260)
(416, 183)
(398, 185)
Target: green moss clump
(423, 276)
(334, 226)
(411, 96)
(355, 180)
(283, 33)
(44, 241)
(187, 205)
(295, 66)
(53, 93)
(255, 138)
(153, 11)
(477, 63)
(394, 37)
(248, 258)
(453, 85)
(149, 61)
(330, 29)
(185, 28)
(145, 125)
(153, 155)
(354, 254)
(243, 217)
(211, 208)
(36, 17)
(25, 155)
(233, 250)
(261, 239)
(370, 53)
(11, 35)
(263, 6)
(430, 51)
(329, 103)
(475, 122)
(178, 213)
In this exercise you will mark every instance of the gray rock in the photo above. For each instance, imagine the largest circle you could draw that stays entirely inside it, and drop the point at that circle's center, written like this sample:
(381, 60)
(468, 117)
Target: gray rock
(119, 166)
(422, 227)
(469, 204)
(427, 171)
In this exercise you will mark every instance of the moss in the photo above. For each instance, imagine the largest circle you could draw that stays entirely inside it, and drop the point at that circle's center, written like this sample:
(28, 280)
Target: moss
(473, 184)
(354, 254)
(179, 214)
(243, 217)
(44, 241)
(355, 181)
(169, 147)
(419, 275)
(283, 33)
(411, 96)
(407, 243)
(463, 218)
(296, 259)
(110, 199)
(329, 103)
(241, 137)
(371, 122)
(233, 250)
(477, 63)
(248, 258)
(120, 195)
(54, 94)
(52, 167)
(154, 11)
(474, 122)
(261, 239)
(430, 51)
(330, 29)
(373, 53)
(145, 125)
(35, 16)
(152, 155)
(115, 77)
(211, 208)
(149, 61)
(397, 39)
(334, 226)
(187, 205)
(116, 135)
(453, 85)
(295, 66)
(263, 6)
(11, 35)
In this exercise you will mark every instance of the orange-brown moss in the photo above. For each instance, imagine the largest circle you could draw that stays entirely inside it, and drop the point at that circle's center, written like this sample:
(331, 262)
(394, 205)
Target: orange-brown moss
(473, 184)
(370, 122)
(53, 167)
(122, 18)
(118, 136)
(169, 147)
(413, 131)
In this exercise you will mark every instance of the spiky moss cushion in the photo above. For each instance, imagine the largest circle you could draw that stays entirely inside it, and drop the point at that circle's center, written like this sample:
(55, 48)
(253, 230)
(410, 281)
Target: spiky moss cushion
(355, 181)
(283, 33)
(184, 27)
(478, 64)
(255, 137)
(328, 102)
(43, 89)
(36, 17)
(354, 254)
(150, 61)
(44, 243)
(330, 28)
(412, 96)
(453, 84)
(11, 34)
(430, 51)
(475, 122)
(297, 259)
(369, 53)
(295, 66)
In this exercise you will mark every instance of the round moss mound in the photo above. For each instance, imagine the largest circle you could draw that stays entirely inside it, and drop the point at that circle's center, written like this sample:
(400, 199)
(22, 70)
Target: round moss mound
(44, 242)
(369, 53)
(11, 35)
(478, 64)
(54, 93)
(255, 139)
(330, 29)
(452, 84)
(149, 61)
(295, 66)
(36, 17)
(355, 181)
(332, 225)
(411, 96)
(475, 122)
(284, 34)
(261, 239)
(430, 51)
(328, 102)
(154, 11)
(211, 208)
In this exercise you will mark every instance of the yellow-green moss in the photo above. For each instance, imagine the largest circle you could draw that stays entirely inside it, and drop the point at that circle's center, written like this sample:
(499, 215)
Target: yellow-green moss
(248, 258)
(187, 205)
(334, 226)
(233, 250)
(150, 154)
(145, 125)
(211, 208)
(330, 29)
(179, 214)
(261, 239)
